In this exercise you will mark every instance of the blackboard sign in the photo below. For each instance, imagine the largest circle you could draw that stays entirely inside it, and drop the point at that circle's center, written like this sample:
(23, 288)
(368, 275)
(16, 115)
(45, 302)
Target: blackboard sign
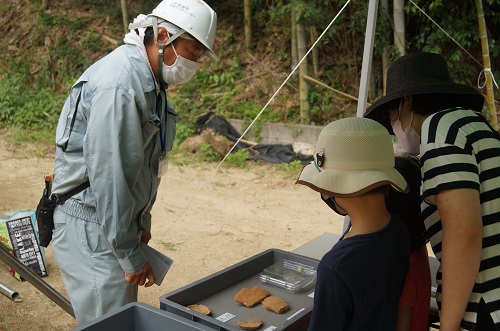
(25, 245)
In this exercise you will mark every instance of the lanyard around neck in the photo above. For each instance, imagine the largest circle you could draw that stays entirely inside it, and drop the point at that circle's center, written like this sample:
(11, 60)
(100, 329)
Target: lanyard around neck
(161, 111)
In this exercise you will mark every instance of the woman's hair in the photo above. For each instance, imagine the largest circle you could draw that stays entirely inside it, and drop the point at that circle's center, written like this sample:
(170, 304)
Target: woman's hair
(427, 104)
(407, 205)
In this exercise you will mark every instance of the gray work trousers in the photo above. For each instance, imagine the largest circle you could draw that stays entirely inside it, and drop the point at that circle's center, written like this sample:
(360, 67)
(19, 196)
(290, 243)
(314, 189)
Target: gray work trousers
(93, 278)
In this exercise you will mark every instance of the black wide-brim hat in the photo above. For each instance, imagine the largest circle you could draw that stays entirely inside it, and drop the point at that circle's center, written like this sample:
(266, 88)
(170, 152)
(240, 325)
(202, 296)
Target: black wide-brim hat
(421, 73)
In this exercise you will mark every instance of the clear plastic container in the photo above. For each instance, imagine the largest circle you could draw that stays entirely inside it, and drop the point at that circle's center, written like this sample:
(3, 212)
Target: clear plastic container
(289, 275)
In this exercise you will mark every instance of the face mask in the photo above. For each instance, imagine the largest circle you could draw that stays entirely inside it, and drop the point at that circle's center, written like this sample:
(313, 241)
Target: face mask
(180, 72)
(334, 205)
(408, 139)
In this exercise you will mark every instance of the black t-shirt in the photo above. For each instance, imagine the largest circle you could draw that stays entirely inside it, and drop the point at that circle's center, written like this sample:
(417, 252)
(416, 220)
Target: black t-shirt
(360, 281)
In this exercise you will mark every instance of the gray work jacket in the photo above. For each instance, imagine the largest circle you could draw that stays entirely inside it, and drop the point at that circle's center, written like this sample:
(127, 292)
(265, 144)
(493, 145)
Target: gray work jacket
(115, 144)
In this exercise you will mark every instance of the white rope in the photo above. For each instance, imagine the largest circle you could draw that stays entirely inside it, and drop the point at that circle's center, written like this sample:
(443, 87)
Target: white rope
(255, 119)
(486, 71)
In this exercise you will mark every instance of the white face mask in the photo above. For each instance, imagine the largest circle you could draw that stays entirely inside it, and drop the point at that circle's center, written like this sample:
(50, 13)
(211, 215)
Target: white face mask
(408, 139)
(180, 72)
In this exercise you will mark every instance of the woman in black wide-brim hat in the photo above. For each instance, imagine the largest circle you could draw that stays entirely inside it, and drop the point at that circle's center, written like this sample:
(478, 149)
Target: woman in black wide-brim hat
(438, 119)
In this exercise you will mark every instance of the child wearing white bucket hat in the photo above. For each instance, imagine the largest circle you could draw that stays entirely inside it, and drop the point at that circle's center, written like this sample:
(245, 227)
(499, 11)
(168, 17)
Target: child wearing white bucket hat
(360, 279)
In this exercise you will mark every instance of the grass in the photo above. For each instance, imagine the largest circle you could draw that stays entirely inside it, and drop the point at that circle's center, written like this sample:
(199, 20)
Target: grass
(238, 158)
(29, 142)
(169, 246)
(291, 169)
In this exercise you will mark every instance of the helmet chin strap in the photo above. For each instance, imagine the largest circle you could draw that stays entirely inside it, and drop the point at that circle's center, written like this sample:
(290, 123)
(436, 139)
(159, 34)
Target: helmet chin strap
(161, 49)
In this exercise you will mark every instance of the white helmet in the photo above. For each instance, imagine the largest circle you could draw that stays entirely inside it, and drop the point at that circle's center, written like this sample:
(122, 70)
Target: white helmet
(194, 17)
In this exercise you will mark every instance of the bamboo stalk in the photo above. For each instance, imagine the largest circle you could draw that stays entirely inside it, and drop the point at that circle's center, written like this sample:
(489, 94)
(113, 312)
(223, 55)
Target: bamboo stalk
(294, 40)
(487, 66)
(315, 51)
(385, 53)
(399, 26)
(125, 15)
(303, 88)
(248, 23)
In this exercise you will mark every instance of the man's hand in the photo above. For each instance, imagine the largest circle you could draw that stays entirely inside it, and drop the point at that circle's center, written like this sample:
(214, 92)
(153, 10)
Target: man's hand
(139, 277)
(146, 237)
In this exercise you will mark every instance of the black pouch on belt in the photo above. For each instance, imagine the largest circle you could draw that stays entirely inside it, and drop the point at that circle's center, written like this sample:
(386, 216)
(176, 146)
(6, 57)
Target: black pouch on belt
(45, 219)
(45, 212)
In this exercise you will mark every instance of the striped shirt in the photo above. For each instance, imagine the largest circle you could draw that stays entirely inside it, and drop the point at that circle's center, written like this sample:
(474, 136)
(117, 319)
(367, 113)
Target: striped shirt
(459, 150)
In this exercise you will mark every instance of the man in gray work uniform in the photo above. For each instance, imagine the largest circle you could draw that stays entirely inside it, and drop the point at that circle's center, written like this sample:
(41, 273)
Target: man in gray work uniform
(115, 131)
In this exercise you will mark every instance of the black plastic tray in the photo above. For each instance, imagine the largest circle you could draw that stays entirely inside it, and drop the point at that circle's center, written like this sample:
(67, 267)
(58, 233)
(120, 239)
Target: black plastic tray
(217, 292)
(139, 316)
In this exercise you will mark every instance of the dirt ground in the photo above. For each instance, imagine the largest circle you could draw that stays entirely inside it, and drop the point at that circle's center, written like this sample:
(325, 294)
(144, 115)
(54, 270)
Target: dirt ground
(205, 220)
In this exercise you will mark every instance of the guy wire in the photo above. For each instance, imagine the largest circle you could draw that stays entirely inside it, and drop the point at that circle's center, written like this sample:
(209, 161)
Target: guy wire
(446, 33)
(212, 174)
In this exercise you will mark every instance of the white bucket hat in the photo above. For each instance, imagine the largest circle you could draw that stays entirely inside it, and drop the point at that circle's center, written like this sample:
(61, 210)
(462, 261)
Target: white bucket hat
(353, 156)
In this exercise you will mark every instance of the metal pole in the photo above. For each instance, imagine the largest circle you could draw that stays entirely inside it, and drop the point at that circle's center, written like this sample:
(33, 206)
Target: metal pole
(35, 280)
(8, 292)
(371, 23)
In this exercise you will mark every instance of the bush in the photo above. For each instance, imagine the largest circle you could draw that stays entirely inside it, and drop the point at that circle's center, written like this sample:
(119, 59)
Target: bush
(25, 107)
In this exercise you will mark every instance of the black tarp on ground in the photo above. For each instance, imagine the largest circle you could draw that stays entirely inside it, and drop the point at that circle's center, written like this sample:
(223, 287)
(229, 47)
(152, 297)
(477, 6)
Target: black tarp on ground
(272, 153)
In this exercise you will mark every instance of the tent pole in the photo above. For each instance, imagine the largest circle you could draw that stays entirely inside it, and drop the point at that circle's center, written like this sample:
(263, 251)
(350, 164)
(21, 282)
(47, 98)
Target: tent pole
(371, 23)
